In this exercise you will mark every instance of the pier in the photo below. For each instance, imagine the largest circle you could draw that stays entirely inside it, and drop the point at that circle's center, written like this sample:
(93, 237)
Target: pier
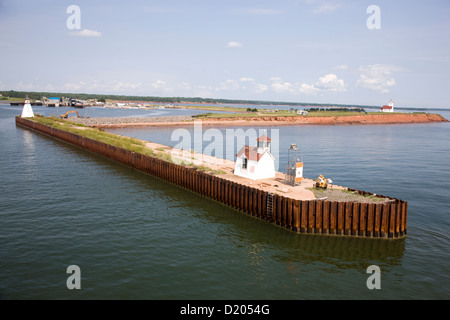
(293, 209)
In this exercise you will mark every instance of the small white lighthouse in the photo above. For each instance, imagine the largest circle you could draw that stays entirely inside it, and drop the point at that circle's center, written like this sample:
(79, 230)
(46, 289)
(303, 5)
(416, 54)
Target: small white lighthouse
(388, 108)
(27, 111)
(256, 162)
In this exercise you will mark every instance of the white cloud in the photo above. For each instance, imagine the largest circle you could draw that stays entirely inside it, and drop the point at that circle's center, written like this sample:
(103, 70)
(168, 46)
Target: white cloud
(260, 88)
(228, 85)
(326, 7)
(307, 89)
(144, 88)
(327, 83)
(234, 44)
(158, 84)
(280, 86)
(85, 33)
(323, 6)
(377, 77)
(246, 84)
(331, 82)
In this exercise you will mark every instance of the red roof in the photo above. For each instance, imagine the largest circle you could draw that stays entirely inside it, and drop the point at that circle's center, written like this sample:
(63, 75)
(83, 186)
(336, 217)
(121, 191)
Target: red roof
(386, 107)
(264, 139)
(251, 153)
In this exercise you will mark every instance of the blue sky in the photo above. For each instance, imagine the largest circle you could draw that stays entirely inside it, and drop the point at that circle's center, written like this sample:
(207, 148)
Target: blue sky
(315, 51)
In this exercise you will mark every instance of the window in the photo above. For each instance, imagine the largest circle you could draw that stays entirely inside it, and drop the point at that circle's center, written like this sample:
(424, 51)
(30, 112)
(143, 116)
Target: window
(244, 163)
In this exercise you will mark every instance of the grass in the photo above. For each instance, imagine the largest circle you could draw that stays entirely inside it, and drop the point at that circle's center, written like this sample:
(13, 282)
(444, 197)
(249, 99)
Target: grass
(227, 109)
(338, 113)
(225, 115)
(127, 143)
(245, 115)
(285, 113)
(4, 98)
(96, 134)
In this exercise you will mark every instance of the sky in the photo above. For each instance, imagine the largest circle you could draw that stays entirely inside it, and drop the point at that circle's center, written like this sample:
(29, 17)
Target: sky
(312, 51)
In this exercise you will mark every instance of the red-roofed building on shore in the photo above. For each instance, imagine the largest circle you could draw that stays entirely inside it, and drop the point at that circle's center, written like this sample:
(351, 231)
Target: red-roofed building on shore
(388, 108)
(256, 162)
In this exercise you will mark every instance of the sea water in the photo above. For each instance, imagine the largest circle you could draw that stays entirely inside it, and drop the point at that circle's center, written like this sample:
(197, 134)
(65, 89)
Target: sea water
(137, 237)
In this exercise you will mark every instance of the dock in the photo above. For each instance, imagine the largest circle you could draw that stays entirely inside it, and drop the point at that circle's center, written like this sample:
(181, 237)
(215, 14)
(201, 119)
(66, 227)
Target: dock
(292, 208)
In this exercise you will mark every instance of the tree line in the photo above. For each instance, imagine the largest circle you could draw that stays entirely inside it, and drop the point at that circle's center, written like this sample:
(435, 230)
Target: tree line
(104, 97)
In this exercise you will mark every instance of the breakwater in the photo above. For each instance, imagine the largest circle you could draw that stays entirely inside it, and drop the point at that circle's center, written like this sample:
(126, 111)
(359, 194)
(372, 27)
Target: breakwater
(131, 121)
(373, 220)
(270, 120)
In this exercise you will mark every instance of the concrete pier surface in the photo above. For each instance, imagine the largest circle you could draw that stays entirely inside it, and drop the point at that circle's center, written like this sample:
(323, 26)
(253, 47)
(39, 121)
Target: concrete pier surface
(272, 185)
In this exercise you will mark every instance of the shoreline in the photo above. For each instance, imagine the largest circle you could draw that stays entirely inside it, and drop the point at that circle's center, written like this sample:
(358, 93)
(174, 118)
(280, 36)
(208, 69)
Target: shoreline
(383, 119)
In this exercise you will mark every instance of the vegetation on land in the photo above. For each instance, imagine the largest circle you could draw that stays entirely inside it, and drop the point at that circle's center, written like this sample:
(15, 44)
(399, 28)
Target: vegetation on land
(109, 97)
(345, 195)
(2, 98)
(281, 113)
(96, 134)
(127, 143)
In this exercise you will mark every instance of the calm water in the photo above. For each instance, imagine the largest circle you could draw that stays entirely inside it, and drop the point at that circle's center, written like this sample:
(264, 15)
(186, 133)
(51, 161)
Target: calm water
(137, 237)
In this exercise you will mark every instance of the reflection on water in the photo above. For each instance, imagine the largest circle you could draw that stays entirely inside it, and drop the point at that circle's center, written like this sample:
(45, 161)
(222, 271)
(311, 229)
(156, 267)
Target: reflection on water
(244, 230)
(29, 141)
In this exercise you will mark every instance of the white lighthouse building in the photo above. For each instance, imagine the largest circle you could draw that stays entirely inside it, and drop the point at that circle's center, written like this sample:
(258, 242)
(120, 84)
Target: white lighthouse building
(389, 107)
(27, 111)
(256, 162)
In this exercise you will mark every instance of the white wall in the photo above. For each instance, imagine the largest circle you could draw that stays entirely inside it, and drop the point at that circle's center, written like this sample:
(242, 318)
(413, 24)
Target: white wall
(264, 169)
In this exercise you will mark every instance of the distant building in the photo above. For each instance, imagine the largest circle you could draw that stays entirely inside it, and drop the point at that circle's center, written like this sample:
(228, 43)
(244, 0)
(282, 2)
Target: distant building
(256, 162)
(302, 112)
(52, 101)
(389, 107)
